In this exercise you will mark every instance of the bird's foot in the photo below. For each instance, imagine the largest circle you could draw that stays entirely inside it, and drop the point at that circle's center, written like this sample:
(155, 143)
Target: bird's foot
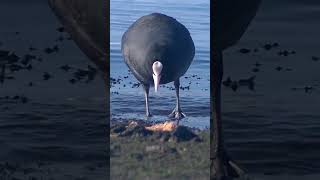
(177, 114)
(148, 115)
(224, 168)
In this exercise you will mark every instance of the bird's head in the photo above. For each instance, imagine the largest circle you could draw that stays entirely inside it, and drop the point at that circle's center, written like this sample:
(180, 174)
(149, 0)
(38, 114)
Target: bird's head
(156, 70)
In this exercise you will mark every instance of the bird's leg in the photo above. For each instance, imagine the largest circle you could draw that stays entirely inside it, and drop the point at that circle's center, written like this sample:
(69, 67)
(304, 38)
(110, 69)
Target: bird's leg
(222, 167)
(146, 88)
(177, 112)
(218, 171)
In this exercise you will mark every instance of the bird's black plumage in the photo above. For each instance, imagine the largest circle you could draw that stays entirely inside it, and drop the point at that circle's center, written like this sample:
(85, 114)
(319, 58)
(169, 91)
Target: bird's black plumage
(233, 18)
(157, 37)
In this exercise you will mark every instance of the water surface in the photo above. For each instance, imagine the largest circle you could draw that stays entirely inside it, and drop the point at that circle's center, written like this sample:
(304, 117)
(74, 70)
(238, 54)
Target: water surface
(61, 123)
(128, 101)
(275, 129)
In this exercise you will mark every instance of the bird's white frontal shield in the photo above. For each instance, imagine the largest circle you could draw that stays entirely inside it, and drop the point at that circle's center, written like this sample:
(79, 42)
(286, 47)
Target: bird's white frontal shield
(156, 68)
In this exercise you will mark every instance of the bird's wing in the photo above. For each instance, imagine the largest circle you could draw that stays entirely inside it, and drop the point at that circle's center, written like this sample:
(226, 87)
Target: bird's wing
(85, 21)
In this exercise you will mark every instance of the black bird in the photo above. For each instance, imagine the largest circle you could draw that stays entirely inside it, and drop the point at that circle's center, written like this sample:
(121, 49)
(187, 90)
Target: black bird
(158, 50)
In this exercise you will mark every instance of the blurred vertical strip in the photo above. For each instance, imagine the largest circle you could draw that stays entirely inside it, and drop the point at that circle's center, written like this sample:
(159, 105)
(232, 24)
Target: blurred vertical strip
(215, 133)
(107, 77)
(88, 23)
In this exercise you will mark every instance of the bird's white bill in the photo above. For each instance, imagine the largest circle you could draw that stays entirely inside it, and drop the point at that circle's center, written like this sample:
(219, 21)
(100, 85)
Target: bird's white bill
(156, 68)
(156, 80)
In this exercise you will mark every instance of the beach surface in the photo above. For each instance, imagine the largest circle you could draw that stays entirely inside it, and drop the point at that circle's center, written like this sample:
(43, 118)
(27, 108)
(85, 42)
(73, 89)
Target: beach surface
(138, 153)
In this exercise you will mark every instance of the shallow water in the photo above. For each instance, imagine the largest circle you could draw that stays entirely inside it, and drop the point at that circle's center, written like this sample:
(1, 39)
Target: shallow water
(61, 122)
(275, 129)
(128, 101)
